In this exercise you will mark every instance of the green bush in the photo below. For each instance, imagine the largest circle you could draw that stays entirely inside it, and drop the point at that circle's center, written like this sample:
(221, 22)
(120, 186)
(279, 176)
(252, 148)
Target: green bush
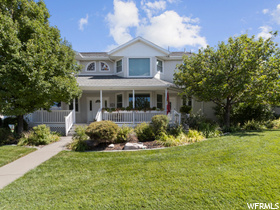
(175, 130)
(210, 130)
(181, 139)
(186, 109)
(273, 124)
(13, 120)
(159, 124)
(253, 125)
(103, 131)
(40, 135)
(79, 139)
(123, 134)
(6, 136)
(144, 132)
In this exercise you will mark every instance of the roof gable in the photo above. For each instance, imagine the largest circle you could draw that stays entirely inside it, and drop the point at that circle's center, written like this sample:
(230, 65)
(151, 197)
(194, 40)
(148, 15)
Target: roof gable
(138, 47)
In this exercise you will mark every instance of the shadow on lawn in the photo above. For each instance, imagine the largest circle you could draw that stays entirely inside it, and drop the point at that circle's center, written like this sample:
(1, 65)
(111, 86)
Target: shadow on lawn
(248, 133)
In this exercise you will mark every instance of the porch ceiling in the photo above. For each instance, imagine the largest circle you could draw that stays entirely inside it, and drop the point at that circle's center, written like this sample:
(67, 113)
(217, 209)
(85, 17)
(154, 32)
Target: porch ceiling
(120, 83)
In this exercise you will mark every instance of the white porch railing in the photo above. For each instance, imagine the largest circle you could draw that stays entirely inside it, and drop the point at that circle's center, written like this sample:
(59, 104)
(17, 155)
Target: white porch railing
(127, 117)
(69, 121)
(43, 116)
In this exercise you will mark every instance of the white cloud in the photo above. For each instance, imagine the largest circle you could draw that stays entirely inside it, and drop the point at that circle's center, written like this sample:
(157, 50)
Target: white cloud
(161, 26)
(265, 11)
(170, 29)
(125, 16)
(264, 32)
(82, 22)
(276, 14)
(152, 8)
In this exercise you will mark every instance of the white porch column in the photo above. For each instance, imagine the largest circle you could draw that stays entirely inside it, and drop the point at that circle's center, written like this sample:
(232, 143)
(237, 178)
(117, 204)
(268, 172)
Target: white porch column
(74, 110)
(165, 107)
(101, 100)
(133, 102)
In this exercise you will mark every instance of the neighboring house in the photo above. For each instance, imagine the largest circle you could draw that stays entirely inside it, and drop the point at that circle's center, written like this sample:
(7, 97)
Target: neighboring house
(137, 74)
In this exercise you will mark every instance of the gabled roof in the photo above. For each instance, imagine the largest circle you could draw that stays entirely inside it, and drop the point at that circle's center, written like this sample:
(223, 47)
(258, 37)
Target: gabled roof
(139, 39)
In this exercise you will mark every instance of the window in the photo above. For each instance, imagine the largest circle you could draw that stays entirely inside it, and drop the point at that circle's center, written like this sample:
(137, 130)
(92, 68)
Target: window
(187, 101)
(91, 67)
(104, 66)
(76, 105)
(119, 101)
(142, 101)
(56, 106)
(159, 66)
(119, 66)
(139, 67)
(159, 101)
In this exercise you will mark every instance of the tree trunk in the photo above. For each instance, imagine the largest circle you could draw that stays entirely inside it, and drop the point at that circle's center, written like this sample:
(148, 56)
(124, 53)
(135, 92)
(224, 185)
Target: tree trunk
(20, 124)
(227, 113)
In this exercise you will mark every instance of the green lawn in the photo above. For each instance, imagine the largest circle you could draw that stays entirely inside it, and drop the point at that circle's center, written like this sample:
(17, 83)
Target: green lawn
(11, 153)
(222, 173)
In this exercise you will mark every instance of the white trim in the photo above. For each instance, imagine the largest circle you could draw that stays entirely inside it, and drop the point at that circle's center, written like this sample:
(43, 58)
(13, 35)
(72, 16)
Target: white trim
(139, 39)
(162, 66)
(150, 58)
(89, 64)
(116, 66)
(100, 67)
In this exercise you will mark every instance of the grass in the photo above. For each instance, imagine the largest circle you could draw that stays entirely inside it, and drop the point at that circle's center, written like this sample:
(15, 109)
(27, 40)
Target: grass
(221, 173)
(11, 153)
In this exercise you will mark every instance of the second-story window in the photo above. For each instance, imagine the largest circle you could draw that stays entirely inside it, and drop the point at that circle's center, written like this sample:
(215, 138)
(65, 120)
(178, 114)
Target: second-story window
(104, 66)
(159, 66)
(119, 66)
(139, 67)
(91, 67)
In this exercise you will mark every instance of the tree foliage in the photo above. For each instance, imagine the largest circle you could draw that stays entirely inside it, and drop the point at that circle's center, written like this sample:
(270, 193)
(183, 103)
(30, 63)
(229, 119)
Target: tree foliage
(244, 69)
(37, 67)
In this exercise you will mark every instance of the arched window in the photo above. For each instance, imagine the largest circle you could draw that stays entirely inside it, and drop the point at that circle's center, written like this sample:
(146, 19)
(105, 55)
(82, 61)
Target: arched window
(104, 66)
(91, 67)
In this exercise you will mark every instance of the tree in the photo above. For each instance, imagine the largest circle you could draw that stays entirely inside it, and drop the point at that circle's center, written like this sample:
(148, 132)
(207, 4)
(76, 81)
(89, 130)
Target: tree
(244, 69)
(37, 67)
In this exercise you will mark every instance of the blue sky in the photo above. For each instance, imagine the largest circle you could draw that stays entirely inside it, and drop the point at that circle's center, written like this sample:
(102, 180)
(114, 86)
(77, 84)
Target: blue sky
(101, 25)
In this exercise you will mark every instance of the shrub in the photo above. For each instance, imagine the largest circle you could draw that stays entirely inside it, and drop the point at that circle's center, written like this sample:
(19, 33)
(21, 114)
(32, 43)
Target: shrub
(13, 120)
(103, 131)
(6, 136)
(175, 130)
(40, 135)
(160, 123)
(144, 132)
(124, 134)
(210, 130)
(169, 140)
(253, 125)
(79, 139)
(273, 124)
(186, 109)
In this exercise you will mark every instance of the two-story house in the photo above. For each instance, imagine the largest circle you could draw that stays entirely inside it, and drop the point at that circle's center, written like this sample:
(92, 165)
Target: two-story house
(137, 75)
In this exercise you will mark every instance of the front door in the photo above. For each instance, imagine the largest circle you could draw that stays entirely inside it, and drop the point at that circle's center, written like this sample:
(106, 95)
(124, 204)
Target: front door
(93, 105)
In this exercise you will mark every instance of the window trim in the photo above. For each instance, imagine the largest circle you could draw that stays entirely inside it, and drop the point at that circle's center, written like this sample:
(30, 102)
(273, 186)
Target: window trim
(161, 72)
(150, 59)
(100, 67)
(79, 106)
(117, 66)
(142, 92)
(89, 64)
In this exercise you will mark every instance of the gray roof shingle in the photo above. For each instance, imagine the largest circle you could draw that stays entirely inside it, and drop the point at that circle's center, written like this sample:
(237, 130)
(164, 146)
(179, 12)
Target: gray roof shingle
(120, 82)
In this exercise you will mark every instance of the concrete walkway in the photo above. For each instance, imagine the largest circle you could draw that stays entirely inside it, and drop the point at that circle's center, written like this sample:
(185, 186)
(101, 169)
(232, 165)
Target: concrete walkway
(19, 167)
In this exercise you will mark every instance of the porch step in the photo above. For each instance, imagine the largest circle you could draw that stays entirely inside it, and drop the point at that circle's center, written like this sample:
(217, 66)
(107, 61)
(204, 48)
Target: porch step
(72, 130)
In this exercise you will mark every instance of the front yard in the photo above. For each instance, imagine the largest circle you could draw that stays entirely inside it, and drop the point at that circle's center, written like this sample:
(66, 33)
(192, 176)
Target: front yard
(11, 153)
(221, 173)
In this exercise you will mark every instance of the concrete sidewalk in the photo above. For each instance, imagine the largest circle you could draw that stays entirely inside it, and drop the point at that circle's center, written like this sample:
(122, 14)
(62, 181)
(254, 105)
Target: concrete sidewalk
(19, 167)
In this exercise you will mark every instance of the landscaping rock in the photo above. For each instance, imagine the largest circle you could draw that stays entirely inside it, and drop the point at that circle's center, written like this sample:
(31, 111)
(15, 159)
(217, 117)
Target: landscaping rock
(133, 146)
(111, 146)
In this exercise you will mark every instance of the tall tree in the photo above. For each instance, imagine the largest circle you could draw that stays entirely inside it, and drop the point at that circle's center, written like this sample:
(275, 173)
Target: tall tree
(37, 67)
(244, 69)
